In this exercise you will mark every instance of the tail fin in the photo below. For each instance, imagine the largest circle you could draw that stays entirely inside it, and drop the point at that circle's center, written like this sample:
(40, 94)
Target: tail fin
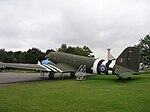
(128, 61)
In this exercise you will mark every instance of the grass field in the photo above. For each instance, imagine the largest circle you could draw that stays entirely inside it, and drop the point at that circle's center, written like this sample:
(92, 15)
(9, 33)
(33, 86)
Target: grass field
(96, 94)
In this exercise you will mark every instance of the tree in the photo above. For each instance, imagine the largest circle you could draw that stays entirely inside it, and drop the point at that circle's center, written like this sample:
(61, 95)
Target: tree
(22, 57)
(6, 56)
(70, 50)
(34, 55)
(85, 51)
(62, 48)
(79, 51)
(16, 56)
(144, 47)
(3, 55)
(49, 50)
(9, 57)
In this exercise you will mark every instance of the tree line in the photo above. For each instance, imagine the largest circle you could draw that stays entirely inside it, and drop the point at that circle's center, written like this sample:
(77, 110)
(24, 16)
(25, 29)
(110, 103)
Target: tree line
(34, 55)
(31, 56)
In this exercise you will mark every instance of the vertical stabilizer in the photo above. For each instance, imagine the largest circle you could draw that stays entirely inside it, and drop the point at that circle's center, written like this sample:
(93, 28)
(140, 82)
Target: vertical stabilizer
(128, 61)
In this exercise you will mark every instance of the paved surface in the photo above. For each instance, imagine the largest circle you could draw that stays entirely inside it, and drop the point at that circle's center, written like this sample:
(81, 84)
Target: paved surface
(8, 78)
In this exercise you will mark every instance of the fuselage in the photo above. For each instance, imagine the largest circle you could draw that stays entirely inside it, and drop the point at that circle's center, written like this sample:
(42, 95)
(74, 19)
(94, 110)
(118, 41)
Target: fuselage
(97, 66)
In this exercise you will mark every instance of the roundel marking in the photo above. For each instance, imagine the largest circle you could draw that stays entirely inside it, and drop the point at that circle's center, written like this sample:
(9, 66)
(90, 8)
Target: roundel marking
(103, 68)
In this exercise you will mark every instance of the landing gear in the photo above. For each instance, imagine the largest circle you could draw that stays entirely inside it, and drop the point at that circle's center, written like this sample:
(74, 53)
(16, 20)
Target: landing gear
(51, 75)
(119, 78)
(129, 78)
(72, 74)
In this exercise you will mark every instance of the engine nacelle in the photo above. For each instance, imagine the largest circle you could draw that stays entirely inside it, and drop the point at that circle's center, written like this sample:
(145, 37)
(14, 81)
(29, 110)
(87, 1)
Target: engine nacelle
(101, 66)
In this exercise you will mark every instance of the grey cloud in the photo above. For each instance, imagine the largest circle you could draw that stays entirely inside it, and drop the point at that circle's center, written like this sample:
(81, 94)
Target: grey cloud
(98, 24)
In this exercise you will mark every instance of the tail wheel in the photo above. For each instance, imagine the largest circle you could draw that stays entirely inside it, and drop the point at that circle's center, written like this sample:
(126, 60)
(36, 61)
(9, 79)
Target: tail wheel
(120, 78)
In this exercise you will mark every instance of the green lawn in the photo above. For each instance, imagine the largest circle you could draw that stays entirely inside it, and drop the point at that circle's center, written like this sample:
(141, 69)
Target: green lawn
(96, 94)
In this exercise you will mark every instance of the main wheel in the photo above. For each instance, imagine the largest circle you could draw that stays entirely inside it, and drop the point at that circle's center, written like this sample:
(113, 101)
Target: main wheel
(129, 78)
(119, 78)
(51, 75)
(72, 74)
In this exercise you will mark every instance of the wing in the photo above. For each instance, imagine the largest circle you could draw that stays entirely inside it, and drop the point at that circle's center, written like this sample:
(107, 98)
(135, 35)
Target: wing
(51, 67)
(59, 67)
(66, 68)
(22, 66)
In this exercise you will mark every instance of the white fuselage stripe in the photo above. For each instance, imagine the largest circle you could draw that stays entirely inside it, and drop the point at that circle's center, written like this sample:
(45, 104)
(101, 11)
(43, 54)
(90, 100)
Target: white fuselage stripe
(44, 67)
(112, 64)
(104, 62)
(50, 68)
(95, 66)
(56, 68)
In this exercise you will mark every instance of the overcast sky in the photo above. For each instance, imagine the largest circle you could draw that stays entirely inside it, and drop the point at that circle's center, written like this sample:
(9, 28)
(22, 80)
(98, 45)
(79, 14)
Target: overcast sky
(98, 24)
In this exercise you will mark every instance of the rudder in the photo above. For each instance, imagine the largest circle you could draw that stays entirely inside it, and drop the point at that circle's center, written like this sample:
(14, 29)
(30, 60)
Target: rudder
(128, 61)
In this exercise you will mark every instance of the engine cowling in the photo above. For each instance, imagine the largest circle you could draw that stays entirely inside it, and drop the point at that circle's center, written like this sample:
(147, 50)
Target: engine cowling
(101, 66)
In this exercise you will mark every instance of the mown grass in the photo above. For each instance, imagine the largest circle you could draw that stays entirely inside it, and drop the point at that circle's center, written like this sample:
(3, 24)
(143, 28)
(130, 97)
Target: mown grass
(96, 94)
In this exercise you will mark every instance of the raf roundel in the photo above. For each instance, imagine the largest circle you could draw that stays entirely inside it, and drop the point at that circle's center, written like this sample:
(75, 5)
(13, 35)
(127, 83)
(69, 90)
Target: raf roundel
(102, 68)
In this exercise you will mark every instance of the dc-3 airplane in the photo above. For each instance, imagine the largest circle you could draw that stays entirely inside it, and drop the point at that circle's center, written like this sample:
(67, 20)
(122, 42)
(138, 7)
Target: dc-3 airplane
(127, 63)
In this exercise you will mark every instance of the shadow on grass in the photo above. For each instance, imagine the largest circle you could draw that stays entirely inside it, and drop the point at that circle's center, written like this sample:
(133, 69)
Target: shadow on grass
(126, 80)
(144, 73)
(113, 78)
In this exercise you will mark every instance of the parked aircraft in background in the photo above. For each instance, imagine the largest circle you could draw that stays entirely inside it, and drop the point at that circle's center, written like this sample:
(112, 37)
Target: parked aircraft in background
(127, 63)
